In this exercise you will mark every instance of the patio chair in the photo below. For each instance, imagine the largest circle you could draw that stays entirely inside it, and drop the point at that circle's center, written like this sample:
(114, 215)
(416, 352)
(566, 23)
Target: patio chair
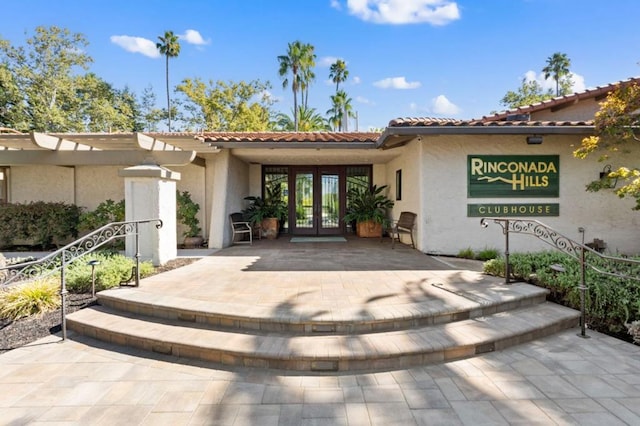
(239, 226)
(404, 225)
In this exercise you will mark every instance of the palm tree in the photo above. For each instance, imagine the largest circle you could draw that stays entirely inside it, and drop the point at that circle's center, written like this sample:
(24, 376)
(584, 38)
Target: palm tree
(338, 73)
(169, 46)
(309, 120)
(299, 60)
(340, 111)
(557, 67)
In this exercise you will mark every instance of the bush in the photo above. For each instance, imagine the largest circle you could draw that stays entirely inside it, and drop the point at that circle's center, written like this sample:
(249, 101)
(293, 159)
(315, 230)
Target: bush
(108, 211)
(487, 254)
(467, 253)
(33, 298)
(610, 302)
(112, 270)
(634, 331)
(45, 224)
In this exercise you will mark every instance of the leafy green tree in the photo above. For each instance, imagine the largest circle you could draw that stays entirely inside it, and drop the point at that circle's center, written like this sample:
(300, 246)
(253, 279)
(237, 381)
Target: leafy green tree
(529, 92)
(557, 67)
(338, 73)
(43, 73)
(299, 61)
(228, 106)
(169, 46)
(12, 114)
(151, 115)
(309, 120)
(617, 124)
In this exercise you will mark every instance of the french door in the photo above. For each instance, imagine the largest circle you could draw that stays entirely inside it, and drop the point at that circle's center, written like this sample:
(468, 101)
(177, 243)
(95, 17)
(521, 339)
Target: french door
(317, 199)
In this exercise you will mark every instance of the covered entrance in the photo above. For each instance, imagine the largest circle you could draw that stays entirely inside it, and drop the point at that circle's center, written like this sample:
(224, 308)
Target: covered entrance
(317, 195)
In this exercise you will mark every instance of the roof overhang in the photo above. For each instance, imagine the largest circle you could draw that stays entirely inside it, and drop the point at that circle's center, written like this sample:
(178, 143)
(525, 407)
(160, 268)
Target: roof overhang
(397, 136)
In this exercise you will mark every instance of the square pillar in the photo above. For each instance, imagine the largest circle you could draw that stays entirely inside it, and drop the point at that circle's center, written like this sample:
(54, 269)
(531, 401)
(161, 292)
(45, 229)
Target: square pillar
(150, 193)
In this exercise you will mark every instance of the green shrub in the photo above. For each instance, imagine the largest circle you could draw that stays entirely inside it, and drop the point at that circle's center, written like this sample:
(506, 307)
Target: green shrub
(108, 211)
(467, 253)
(610, 302)
(487, 254)
(45, 224)
(110, 272)
(33, 298)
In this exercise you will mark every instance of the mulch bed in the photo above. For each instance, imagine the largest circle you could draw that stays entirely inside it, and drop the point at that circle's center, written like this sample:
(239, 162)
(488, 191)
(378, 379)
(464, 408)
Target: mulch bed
(14, 334)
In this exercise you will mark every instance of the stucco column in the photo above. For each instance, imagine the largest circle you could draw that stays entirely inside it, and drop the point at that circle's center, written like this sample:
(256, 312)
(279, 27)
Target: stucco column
(150, 193)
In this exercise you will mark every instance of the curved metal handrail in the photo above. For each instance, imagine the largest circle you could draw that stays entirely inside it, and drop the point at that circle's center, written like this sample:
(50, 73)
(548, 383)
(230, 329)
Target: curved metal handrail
(564, 244)
(52, 263)
(58, 260)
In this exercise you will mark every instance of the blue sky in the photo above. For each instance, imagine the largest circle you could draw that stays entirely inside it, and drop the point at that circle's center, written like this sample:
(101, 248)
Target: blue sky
(406, 58)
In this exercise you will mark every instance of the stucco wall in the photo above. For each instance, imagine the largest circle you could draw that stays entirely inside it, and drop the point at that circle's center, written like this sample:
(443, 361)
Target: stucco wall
(42, 183)
(447, 229)
(409, 163)
(97, 184)
(583, 110)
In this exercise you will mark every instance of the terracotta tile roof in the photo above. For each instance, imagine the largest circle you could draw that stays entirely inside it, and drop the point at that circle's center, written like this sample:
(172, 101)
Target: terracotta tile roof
(289, 137)
(561, 100)
(439, 122)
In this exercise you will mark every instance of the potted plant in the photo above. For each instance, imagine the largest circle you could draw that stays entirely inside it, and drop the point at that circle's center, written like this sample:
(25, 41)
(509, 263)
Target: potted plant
(267, 211)
(186, 214)
(368, 209)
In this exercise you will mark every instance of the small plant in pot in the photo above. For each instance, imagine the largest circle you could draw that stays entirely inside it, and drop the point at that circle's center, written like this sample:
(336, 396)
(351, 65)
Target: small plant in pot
(268, 212)
(368, 209)
(186, 213)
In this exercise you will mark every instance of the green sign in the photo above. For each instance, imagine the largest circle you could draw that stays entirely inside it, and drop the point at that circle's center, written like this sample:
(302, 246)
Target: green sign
(513, 210)
(513, 176)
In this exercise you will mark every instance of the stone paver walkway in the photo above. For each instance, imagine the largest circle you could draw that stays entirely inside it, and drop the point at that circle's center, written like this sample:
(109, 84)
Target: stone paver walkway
(563, 379)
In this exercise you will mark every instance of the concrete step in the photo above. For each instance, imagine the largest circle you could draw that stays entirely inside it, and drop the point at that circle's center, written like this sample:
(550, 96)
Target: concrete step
(366, 351)
(438, 303)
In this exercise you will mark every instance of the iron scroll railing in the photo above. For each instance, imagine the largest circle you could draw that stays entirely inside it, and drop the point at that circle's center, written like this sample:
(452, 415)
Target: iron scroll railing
(58, 260)
(620, 267)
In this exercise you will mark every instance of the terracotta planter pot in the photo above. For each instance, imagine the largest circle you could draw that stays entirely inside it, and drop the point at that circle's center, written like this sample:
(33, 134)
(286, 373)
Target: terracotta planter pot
(193, 242)
(270, 228)
(369, 229)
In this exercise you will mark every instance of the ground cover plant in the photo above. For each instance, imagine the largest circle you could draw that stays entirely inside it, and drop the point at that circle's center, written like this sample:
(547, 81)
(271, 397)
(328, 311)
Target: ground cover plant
(612, 304)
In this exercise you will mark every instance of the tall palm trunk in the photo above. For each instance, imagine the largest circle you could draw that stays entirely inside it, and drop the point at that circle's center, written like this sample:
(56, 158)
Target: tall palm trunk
(168, 98)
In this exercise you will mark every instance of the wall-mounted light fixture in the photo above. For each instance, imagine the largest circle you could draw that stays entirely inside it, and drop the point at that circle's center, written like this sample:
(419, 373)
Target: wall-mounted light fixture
(606, 180)
(534, 140)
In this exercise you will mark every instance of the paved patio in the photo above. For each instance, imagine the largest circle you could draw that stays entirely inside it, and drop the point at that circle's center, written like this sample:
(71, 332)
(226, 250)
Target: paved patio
(563, 379)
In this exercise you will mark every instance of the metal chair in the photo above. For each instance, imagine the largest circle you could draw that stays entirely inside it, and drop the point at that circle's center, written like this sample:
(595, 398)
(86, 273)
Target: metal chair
(404, 225)
(239, 226)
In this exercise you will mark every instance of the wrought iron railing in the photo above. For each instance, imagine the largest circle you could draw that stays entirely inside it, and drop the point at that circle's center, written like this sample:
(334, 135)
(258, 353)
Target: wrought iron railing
(57, 261)
(620, 266)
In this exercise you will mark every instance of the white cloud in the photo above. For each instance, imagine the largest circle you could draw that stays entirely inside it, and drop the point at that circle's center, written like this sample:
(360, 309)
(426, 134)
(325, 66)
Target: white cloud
(327, 61)
(363, 100)
(336, 4)
(356, 80)
(434, 12)
(136, 45)
(397, 83)
(413, 106)
(193, 37)
(550, 84)
(442, 106)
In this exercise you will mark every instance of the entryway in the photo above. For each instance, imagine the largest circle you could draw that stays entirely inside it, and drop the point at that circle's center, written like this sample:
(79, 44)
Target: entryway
(317, 195)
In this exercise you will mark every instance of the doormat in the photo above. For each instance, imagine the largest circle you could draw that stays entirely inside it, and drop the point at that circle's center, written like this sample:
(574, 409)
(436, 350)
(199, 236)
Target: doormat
(318, 240)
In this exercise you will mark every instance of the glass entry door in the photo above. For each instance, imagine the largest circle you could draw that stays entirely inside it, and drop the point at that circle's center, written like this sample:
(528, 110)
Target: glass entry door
(318, 200)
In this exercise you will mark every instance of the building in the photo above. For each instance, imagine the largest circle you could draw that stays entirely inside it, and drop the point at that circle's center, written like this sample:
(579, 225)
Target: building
(450, 172)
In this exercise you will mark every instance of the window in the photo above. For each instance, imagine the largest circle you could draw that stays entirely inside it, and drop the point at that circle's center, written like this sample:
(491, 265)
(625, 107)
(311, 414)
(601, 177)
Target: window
(398, 185)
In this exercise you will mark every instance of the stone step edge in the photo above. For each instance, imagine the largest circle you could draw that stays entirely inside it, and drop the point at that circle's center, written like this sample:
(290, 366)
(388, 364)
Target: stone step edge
(178, 308)
(378, 351)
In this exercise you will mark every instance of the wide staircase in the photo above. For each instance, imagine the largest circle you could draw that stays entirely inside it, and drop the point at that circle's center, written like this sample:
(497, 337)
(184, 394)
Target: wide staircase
(449, 319)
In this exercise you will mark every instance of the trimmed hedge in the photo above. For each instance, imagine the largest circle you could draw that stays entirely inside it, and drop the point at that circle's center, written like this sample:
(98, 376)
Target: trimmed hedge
(43, 224)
